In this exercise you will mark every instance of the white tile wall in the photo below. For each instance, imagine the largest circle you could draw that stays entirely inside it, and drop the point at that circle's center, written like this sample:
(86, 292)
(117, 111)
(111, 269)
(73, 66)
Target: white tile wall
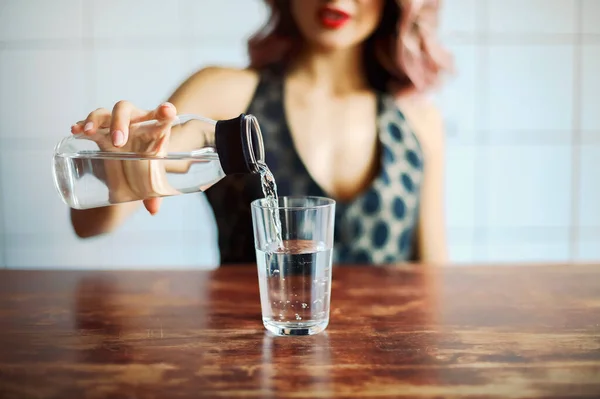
(509, 113)
(528, 186)
(135, 19)
(529, 251)
(531, 87)
(233, 55)
(40, 19)
(526, 244)
(461, 186)
(231, 19)
(591, 16)
(590, 87)
(156, 73)
(458, 17)
(181, 235)
(589, 196)
(160, 248)
(462, 244)
(40, 235)
(27, 179)
(458, 97)
(46, 86)
(42, 92)
(3, 228)
(588, 249)
(532, 16)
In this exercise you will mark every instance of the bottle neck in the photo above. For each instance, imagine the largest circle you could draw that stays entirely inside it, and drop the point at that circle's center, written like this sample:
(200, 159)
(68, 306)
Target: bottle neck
(240, 145)
(183, 118)
(253, 144)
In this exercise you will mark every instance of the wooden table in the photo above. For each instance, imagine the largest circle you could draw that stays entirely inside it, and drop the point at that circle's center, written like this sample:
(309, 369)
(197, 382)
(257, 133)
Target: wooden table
(495, 331)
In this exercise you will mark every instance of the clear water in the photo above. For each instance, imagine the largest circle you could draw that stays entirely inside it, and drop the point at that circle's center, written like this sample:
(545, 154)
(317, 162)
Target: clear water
(87, 179)
(295, 286)
(269, 189)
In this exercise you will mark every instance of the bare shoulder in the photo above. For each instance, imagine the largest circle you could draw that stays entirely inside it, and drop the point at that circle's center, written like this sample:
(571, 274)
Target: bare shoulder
(216, 92)
(427, 121)
(218, 77)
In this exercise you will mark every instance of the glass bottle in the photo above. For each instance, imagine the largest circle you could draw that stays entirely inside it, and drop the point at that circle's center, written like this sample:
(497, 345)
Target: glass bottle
(189, 154)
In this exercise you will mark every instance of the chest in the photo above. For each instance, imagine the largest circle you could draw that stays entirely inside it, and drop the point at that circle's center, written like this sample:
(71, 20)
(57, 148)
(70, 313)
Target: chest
(336, 140)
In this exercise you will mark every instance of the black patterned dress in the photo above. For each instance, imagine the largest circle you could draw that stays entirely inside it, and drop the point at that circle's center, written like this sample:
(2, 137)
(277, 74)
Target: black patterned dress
(376, 227)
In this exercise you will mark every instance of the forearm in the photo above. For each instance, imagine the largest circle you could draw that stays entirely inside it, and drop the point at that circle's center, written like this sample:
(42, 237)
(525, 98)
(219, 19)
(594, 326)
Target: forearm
(432, 246)
(92, 222)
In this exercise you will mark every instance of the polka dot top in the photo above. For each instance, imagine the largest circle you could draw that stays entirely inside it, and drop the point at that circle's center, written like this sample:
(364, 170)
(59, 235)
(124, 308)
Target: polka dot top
(376, 227)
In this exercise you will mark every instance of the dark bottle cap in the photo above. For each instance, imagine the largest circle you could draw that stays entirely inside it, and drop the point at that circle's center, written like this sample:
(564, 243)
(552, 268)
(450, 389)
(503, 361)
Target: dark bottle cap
(239, 145)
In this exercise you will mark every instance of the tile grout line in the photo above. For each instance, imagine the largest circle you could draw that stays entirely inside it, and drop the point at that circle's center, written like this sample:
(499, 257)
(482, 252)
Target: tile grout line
(4, 226)
(480, 236)
(191, 41)
(91, 57)
(89, 47)
(183, 28)
(33, 143)
(184, 57)
(576, 135)
(3, 223)
(26, 138)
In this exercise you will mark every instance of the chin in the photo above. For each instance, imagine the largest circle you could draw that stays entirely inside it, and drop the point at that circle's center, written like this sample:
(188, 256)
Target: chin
(334, 42)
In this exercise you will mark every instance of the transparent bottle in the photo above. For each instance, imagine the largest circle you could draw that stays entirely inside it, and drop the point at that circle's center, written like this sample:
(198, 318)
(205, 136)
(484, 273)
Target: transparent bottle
(189, 154)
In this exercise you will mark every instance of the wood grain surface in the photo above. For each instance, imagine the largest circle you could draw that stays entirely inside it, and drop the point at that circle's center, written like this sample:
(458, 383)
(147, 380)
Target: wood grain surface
(465, 332)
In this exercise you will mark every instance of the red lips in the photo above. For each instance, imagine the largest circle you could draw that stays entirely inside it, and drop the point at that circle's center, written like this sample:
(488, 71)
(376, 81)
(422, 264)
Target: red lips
(333, 18)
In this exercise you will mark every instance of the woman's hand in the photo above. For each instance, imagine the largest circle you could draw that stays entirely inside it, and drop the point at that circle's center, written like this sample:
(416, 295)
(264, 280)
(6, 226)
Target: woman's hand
(123, 130)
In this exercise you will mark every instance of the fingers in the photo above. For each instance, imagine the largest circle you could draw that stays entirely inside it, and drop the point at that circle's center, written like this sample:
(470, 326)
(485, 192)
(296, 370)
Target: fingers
(152, 205)
(165, 112)
(125, 113)
(97, 119)
(122, 114)
(77, 127)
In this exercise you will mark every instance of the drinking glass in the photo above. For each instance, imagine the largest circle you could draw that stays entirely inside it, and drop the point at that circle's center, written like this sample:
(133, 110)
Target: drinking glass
(294, 275)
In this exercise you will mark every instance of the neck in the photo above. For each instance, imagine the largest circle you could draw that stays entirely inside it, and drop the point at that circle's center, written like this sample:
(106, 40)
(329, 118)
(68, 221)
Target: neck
(338, 71)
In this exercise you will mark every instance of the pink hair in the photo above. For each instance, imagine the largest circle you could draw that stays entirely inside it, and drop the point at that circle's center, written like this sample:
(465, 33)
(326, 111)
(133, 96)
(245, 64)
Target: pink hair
(414, 59)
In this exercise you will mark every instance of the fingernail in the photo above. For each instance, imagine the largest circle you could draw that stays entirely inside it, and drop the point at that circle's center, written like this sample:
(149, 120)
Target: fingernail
(118, 138)
(88, 126)
(168, 105)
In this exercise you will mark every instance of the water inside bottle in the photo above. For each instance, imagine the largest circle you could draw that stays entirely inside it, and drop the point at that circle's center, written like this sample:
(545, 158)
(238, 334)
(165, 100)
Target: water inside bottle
(88, 179)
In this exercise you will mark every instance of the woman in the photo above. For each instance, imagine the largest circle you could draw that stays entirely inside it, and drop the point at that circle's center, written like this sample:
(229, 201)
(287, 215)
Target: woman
(337, 88)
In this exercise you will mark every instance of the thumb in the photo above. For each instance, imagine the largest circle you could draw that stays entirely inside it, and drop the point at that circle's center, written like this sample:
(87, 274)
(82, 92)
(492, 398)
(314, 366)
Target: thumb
(165, 112)
(152, 205)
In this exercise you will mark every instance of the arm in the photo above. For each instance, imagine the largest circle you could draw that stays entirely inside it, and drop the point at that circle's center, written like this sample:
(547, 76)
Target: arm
(433, 247)
(216, 93)
(92, 222)
(431, 234)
